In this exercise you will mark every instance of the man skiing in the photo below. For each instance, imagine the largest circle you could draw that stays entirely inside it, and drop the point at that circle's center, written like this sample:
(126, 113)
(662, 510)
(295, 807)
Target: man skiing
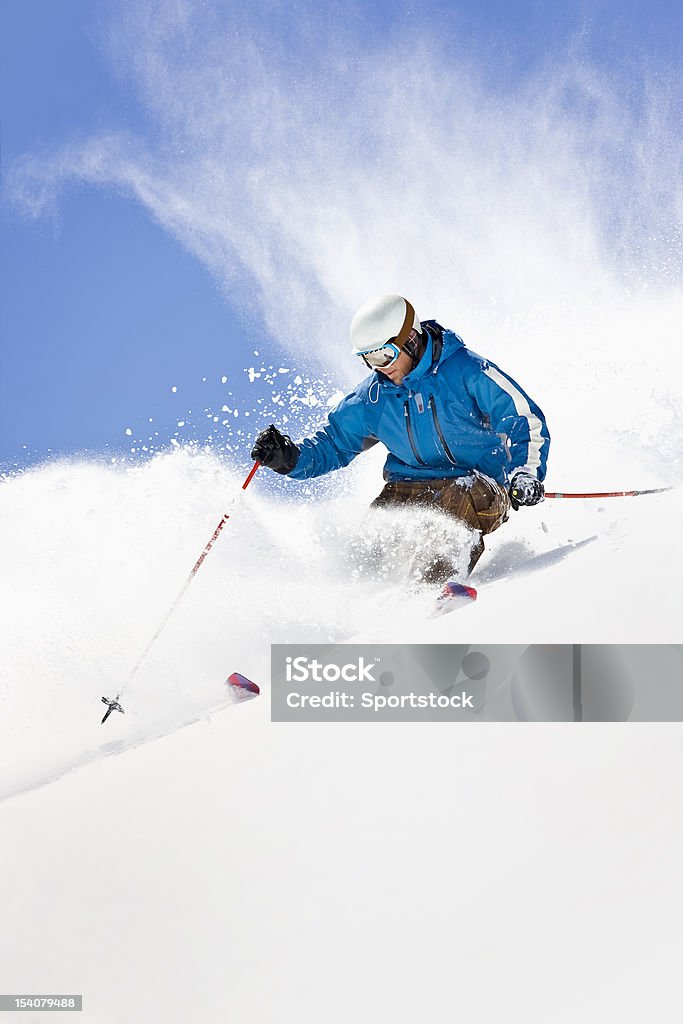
(462, 436)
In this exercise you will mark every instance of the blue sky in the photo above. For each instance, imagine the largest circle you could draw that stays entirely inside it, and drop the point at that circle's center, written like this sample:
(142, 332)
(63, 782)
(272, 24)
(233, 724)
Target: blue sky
(111, 297)
(85, 291)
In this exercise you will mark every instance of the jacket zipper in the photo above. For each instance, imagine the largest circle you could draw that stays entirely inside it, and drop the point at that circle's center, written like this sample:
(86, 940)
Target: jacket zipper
(409, 428)
(432, 406)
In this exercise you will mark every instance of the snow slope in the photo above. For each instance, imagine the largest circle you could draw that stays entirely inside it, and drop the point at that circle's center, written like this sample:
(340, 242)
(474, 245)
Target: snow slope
(235, 869)
(87, 586)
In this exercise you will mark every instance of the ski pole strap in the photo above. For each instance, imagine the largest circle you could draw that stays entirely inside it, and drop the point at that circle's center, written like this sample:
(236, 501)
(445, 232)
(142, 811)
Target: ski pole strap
(607, 494)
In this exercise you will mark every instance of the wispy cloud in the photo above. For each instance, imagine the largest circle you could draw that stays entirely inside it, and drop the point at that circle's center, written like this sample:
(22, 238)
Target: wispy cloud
(309, 171)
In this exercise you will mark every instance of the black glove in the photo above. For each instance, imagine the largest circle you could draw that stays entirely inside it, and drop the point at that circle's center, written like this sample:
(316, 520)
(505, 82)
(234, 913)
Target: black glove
(275, 450)
(525, 489)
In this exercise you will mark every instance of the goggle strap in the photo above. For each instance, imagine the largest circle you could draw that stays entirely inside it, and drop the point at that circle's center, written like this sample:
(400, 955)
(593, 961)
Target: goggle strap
(402, 335)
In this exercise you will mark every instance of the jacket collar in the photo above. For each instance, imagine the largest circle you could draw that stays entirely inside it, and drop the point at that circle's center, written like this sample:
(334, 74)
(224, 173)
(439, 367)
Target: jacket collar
(424, 365)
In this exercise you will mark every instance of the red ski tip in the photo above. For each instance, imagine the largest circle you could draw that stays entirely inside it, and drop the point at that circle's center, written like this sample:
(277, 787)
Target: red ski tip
(458, 591)
(242, 687)
(454, 595)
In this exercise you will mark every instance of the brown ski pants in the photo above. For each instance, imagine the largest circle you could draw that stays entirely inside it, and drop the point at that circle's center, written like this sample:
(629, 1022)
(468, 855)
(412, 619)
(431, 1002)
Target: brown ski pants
(476, 500)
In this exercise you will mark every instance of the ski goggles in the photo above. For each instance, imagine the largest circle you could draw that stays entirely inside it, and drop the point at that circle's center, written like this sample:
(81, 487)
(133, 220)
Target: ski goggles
(382, 357)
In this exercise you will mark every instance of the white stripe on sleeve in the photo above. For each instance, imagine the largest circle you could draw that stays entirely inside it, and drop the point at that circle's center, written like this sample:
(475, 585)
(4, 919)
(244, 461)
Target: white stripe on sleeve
(536, 439)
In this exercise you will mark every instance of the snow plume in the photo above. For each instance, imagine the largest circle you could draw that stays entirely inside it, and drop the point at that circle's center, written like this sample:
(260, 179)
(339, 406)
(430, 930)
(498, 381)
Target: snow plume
(309, 169)
(82, 597)
(84, 590)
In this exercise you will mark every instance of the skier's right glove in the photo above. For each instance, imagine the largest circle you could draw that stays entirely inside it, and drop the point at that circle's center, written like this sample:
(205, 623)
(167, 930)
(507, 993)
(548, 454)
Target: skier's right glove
(275, 450)
(525, 489)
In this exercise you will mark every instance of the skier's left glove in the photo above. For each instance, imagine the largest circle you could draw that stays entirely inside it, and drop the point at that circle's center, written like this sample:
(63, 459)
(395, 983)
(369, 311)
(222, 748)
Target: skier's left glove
(525, 489)
(275, 450)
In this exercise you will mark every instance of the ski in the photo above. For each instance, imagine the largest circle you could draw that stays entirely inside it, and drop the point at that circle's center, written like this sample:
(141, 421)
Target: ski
(239, 687)
(242, 688)
(456, 595)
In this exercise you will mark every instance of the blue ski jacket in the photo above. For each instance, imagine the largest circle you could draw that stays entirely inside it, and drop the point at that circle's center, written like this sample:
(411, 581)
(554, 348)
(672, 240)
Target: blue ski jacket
(453, 413)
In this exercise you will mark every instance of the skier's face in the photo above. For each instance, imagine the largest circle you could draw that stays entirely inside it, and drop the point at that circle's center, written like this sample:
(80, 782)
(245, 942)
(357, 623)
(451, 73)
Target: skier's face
(398, 369)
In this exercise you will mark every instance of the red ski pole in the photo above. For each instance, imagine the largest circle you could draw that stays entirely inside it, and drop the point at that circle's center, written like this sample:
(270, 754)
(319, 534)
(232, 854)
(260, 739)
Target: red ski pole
(607, 494)
(193, 573)
(214, 536)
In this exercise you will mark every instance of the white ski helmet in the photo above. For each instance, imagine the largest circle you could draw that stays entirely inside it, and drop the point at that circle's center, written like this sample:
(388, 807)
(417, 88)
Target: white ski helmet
(388, 317)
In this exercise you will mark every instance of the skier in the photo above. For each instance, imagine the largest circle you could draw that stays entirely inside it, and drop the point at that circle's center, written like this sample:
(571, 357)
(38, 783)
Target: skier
(462, 435)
